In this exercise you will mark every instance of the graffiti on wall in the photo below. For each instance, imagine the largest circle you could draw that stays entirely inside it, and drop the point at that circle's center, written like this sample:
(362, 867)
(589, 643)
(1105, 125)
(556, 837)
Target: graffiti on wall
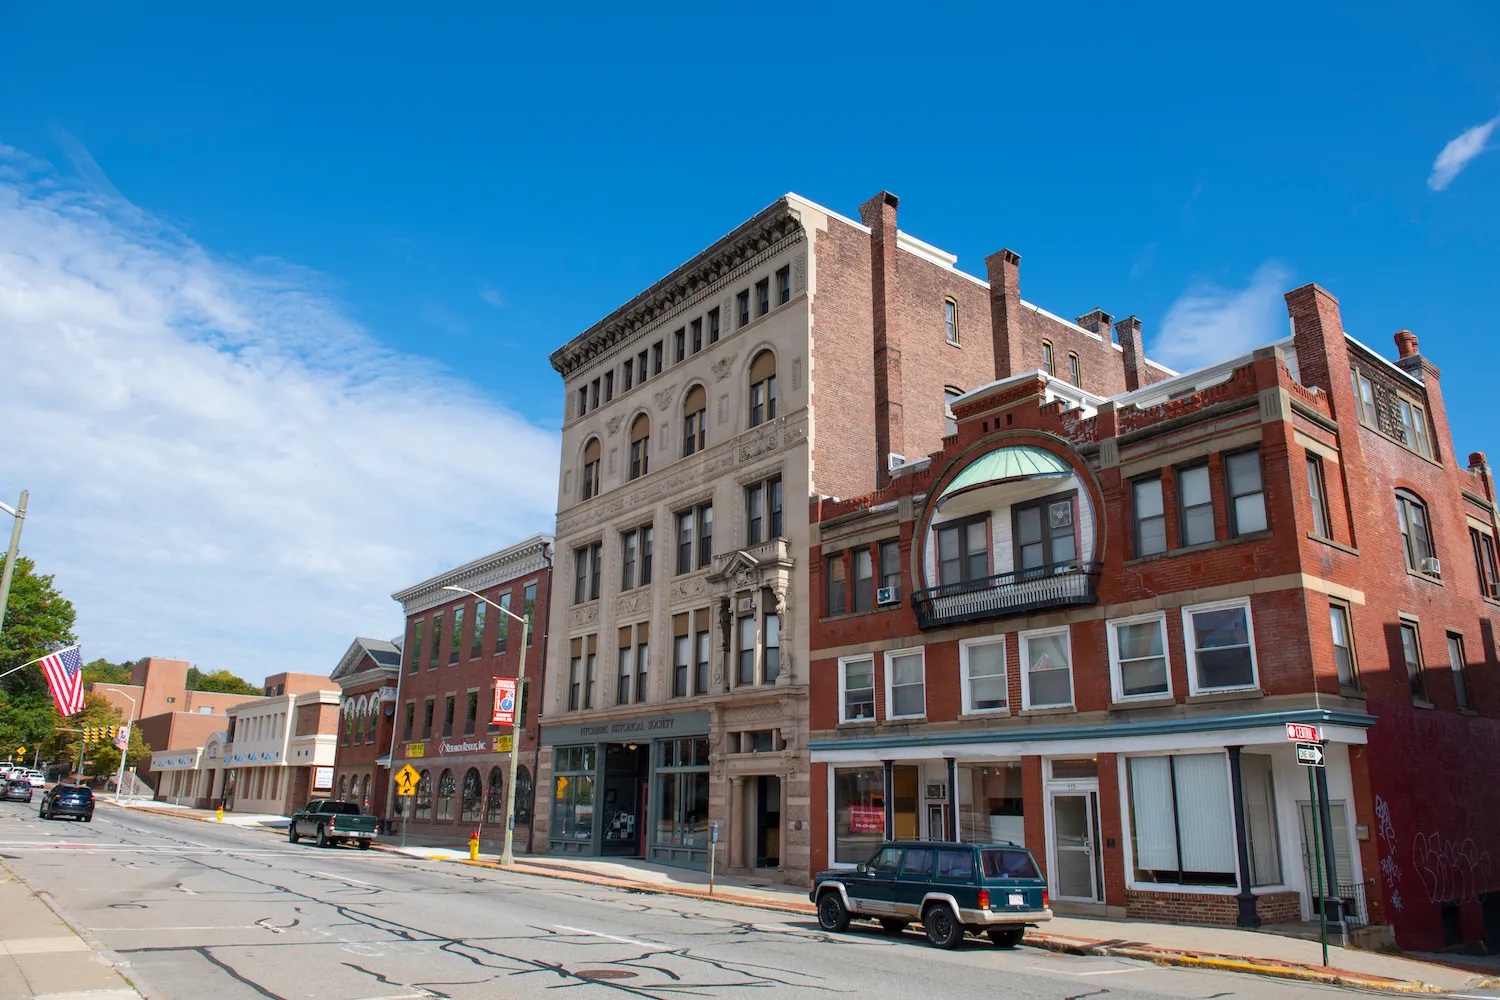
(1389, 870)
(1451, 871)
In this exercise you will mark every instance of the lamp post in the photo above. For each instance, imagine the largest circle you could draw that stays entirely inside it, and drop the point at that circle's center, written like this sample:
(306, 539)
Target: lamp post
(19, 513)
(120, 777)
(507, 857)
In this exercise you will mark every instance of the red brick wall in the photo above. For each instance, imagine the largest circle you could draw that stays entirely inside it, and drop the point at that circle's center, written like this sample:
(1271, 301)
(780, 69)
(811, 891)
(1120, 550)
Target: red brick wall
(1217, 910)
(843, 353)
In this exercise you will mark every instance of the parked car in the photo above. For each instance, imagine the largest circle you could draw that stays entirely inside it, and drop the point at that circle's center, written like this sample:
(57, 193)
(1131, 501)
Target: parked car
(15, 790)
(332, 822)
(952, 889)
(76, 801)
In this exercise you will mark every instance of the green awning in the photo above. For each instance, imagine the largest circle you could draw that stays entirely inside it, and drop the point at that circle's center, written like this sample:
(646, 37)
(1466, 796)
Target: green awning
(1007, 465)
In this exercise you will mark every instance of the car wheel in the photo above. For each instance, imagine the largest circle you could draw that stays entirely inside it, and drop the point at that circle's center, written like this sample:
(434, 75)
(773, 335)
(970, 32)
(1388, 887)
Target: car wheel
(832, 914)
(323, 840)
(942, 926)
(291, 833)
(1007, 937)
(44, 814)
(89, 818)
(893, 925)
(364, 845)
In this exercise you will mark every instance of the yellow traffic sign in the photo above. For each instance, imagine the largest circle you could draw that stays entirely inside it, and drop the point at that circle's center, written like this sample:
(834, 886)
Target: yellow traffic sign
(406, 781)
(503, 744)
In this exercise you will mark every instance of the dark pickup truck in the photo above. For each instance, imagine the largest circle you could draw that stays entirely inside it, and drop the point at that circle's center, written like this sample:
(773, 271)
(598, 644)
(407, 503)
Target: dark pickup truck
(332, 823)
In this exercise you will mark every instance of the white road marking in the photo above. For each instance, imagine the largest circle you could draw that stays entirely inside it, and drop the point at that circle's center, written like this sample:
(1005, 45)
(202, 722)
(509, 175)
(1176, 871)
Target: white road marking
(608, 937)
(343, 878)
(1095, 972)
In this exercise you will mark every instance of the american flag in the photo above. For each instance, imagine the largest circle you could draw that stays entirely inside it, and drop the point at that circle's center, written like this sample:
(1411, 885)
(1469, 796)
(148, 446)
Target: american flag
(64, 670)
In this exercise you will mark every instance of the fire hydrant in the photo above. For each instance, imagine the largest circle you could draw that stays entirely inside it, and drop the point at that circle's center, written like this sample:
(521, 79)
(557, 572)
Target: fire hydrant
(474, 846)
(219, 815)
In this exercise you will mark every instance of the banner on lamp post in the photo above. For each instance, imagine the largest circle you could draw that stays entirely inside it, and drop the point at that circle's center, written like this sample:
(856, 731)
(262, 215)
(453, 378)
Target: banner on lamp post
(505, 702)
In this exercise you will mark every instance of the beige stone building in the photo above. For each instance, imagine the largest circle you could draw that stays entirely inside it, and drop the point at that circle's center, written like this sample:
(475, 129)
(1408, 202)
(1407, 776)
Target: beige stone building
(804, 354)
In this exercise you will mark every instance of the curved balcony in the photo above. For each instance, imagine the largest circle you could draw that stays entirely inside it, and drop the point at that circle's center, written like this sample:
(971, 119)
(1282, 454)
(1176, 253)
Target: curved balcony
(1008, 594)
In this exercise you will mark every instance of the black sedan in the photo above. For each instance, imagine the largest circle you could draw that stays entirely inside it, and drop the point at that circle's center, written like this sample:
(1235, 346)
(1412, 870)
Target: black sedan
(76, 801)
(15, 790)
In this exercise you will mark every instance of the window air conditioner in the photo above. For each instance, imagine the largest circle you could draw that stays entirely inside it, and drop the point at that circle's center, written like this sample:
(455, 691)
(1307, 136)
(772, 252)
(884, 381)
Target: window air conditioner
(888, 595)
(1432, 567)
(746, 605)
(937, 791)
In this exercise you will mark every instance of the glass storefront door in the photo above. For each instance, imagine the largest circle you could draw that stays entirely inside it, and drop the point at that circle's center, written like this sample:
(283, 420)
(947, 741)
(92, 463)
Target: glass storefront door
(1075, 839)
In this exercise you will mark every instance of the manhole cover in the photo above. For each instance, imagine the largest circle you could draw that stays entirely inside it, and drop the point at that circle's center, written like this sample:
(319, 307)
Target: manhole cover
(605, 974)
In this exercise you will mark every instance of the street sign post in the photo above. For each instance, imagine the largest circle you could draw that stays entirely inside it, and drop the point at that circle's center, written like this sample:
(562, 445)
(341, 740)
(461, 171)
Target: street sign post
(1299, 732)
(1310, 754)
(406, 781)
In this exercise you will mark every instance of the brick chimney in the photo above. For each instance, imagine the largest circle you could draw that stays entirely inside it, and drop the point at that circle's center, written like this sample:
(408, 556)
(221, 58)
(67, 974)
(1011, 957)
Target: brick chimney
(1406, 343)
(879, 214)
(1097, 321)
(1004, 269)
(1133, 350)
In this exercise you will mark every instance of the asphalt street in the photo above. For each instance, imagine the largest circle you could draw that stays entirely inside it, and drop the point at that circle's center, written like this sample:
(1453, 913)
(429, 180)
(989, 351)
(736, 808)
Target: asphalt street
(207, 912)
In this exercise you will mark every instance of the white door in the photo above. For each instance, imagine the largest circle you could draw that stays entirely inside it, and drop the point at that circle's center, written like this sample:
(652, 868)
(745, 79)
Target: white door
(1075, 846)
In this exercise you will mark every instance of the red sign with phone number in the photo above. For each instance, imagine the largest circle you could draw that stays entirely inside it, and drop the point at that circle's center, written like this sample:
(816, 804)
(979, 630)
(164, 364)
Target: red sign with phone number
(866, 819)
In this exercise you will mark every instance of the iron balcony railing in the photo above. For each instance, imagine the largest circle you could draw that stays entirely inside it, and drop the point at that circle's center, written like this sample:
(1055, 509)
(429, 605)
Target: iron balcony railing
(1058, 585)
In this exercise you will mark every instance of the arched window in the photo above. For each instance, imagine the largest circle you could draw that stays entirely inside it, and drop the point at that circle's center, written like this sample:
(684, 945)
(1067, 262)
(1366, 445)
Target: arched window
(640, 446)
(1048, 365)
(1416, 534)
(473, 793)
(359, 720)
(343, 787)
(590, 486)
(694, 422)
(364, 796)
(348, 722)
(494, 802)
(424, 796)
(447, 786)
(1075, 371)
(950, 320)
(523, 795)
(762, 388)
(950, 393)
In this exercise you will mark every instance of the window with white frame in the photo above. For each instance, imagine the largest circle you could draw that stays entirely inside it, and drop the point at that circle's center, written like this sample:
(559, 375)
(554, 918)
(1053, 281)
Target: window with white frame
(1138, 657)
(905, 685)
(1220, 646)
(1047, 663)
(857, 689)
(1182, 820)
(982, 664)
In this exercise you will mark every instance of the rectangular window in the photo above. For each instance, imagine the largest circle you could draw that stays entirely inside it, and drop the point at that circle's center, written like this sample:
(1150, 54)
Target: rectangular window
(905, 685)
(1047, 661)
(857, 689)
(746, 642)
(628, 558)
(647, 540)
(773, 507)
(1343, 645)
(700, 645)
(705, 534)
(583, 400)
(414, 650)
(1075, 371)
(427, 711)
(502, 624)
(1413, 426)
(1317, 491)
(476, 645)
(784, 285)
(964, 550)
(1458, 664)
(681, 651)
(449, 705)
(594, 394)
(858, 820)
(864, 579)
(575, 675)
(1220, 646)
(1366, 393)
(755, 497)
(890, 565)
(1247, 498)
(742, 304)
(697, 327)
(679, 345)
(410, 721)
(609, 386)
(1045, 535)
(1150, 516)
(950, 321)
(456, 641)
(1484, 563)
(1411, 652)
(1138, 657)
(437, 640)
(1195, 519)
(528, 607)
(626, 370)
(982, 664)
(685, 541)
(1416, 537)
(713, 325)
(1048, 361)
(833, 576)
(471, 713)
(762, 296)
(1182, 820)
(640, 364)
(771, 640)
(627, 669)
(590, 669)
(656, 352)
(642, 658)
(586, 561)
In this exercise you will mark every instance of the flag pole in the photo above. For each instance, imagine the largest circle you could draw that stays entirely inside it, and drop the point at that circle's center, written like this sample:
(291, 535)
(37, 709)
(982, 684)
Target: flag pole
(19, 513)
(39, 659)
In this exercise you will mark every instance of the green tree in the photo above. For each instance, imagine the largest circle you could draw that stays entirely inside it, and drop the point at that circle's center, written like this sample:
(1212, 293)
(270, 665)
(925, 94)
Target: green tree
(219, 682)
(37, 619)
(101, 759)
(104, 672)
(27, 719)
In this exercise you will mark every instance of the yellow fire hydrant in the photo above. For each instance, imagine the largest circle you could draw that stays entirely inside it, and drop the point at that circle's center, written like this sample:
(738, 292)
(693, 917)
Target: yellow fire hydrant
(474, 846)
(219, 815)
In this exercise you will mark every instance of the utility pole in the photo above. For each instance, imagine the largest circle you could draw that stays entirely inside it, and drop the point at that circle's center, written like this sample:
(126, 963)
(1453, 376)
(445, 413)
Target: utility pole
(19, 514)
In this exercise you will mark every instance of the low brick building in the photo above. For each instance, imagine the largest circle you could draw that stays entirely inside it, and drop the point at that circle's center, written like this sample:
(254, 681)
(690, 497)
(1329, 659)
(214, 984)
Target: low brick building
(1083, 623)
(367, 675)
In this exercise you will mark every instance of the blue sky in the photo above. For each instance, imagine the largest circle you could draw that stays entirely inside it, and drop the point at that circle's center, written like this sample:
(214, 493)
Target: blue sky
(456, 192)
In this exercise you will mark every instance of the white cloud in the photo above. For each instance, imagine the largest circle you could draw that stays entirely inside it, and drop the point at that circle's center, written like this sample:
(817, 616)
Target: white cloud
(1458, 154)
(222, 466)
(492, 295)
(1209, 323)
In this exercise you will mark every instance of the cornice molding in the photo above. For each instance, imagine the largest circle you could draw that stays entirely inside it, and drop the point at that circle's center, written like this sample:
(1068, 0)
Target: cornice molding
(519, 560)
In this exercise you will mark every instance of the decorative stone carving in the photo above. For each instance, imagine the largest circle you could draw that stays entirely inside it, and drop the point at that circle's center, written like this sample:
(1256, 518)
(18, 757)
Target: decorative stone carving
(724, 366)
(759, 444)
(723, 408)
(664, 396)
(584, 616)
(797, 373)
(799, 272)
(633, 604)
(612, 453)
(689, 589)
(612, 425)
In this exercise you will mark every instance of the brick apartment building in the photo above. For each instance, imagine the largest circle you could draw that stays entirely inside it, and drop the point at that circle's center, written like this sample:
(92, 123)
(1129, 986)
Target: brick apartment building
(1082, 623)
(367, 675)
(454, 650)
(697, 417)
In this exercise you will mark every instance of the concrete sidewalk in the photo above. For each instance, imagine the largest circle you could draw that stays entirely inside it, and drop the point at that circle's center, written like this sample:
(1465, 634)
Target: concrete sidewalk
(1221, 948)
(42, 957)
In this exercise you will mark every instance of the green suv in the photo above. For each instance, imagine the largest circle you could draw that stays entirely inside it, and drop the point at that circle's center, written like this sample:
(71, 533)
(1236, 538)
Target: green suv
(951, 888)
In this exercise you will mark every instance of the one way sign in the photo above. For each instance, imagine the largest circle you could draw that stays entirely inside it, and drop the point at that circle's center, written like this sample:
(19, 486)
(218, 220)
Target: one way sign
(1310, 754)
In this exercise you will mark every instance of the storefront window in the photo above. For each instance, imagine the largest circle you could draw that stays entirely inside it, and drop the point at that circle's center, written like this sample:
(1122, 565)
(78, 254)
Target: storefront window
(681, 793)
(494, 802)
(859, 813)
(523, 795)
(473, 793)
(1182, 820)
(573, 793)
(424, 796)
(447, 787)
(990, 804)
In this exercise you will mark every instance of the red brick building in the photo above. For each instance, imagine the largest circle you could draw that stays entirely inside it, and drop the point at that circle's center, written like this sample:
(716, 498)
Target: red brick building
(1083, 623)
(455, 648)
(366, 676)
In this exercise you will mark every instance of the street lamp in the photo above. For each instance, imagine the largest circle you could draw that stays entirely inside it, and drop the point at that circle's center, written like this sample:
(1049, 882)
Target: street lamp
(120, 777)
(507, 857)
(19, 513)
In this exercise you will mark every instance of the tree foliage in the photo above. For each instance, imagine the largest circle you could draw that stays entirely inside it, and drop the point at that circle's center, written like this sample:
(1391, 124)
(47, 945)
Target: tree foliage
(219, 682)
(104, 672)
(38, 619)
